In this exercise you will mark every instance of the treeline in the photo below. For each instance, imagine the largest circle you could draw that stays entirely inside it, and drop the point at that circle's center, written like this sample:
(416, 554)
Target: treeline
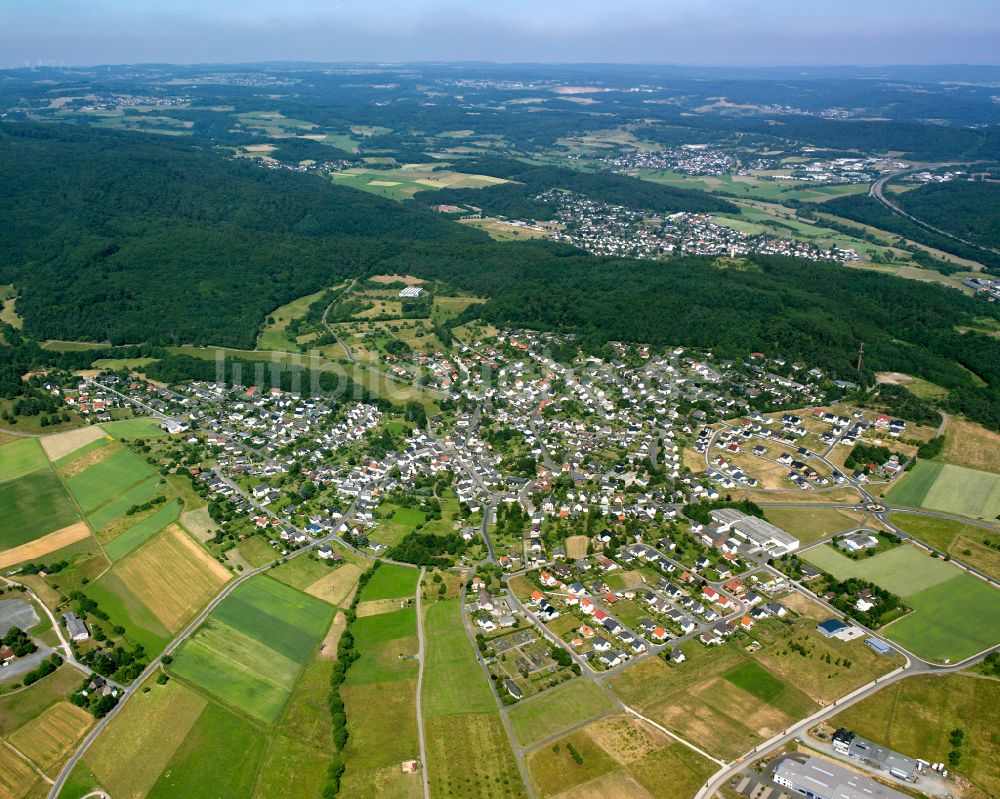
(516, 199)
(347, 653)
(428, 549)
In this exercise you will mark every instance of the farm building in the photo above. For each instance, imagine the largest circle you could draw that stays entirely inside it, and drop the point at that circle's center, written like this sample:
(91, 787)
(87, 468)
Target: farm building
(831, 627)
(411, 292)
(76, 627)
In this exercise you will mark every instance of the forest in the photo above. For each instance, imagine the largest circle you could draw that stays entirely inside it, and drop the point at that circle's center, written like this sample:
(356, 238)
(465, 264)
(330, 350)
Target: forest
(130, 238)
(970, 210)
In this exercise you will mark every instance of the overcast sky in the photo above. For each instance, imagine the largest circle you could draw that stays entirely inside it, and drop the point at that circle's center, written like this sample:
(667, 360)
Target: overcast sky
(724, 32)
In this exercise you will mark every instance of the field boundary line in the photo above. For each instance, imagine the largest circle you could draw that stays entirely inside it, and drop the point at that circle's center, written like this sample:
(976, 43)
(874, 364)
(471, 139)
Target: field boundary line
(27, 760)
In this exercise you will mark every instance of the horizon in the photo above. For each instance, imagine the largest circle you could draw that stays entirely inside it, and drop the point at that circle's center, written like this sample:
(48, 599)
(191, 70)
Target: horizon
(743, 34)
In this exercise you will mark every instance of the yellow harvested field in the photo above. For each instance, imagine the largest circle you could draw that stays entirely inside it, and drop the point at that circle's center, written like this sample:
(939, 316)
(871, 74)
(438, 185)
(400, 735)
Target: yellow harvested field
(376, 607)
(627, 739)
(44, 545)
(328, 649)
(576, 546)
(610, 786)
(62, 444)
(173, 576)
(148, 730)
(337, 586)
(17, 778)
(409, 280)
(971, 445)
(49, 738)
(797, 602)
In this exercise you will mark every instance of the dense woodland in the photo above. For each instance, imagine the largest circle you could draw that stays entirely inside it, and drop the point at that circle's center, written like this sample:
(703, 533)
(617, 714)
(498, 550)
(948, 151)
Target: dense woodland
(131, 238)
(968, 210)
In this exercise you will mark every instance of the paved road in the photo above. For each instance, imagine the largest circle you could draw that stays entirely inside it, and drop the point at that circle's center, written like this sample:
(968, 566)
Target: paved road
(876, 191)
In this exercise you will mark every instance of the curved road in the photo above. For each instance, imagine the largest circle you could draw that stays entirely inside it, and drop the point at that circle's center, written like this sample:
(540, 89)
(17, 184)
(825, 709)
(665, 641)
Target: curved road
(876, 192)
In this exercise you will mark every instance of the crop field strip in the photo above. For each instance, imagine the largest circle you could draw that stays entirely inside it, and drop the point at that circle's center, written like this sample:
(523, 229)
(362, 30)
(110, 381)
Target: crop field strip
(379, 694)
(252, 648)
(142, 531)
(946, 487)
(107, 479)
(458, 704)
(49, 738)
(21, 457)
(39, 504)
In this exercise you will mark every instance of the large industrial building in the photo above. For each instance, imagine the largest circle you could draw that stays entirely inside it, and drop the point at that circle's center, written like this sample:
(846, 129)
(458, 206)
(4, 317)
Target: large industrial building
(899, 766)
(818, 778)
(758, 532)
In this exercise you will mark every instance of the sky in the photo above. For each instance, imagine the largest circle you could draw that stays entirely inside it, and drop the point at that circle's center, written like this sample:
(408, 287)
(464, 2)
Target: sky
(699, 32)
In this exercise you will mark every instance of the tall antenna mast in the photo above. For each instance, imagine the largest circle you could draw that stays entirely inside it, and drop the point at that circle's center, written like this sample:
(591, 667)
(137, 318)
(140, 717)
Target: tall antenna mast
(861, 353)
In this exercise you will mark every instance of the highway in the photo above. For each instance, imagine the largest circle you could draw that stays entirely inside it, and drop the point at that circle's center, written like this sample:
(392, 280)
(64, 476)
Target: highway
(877, 191)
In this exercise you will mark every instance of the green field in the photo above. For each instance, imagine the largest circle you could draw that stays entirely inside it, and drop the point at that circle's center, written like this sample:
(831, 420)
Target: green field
(217, 758)
(141, 532)
(955, 489)
(136, 495)
(236, 668)
(955, 615)
(21, 457)
(458, 705)
(107, 479)
(904, 570)
(31, 506)
(251, 650)
(761, 683)
(381, 639)
(391, 582)
(558, 709)
(135, 428)
(950, 621)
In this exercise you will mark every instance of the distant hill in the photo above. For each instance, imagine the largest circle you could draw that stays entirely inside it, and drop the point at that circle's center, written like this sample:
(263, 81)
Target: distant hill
(516, 199)
(130, 237)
